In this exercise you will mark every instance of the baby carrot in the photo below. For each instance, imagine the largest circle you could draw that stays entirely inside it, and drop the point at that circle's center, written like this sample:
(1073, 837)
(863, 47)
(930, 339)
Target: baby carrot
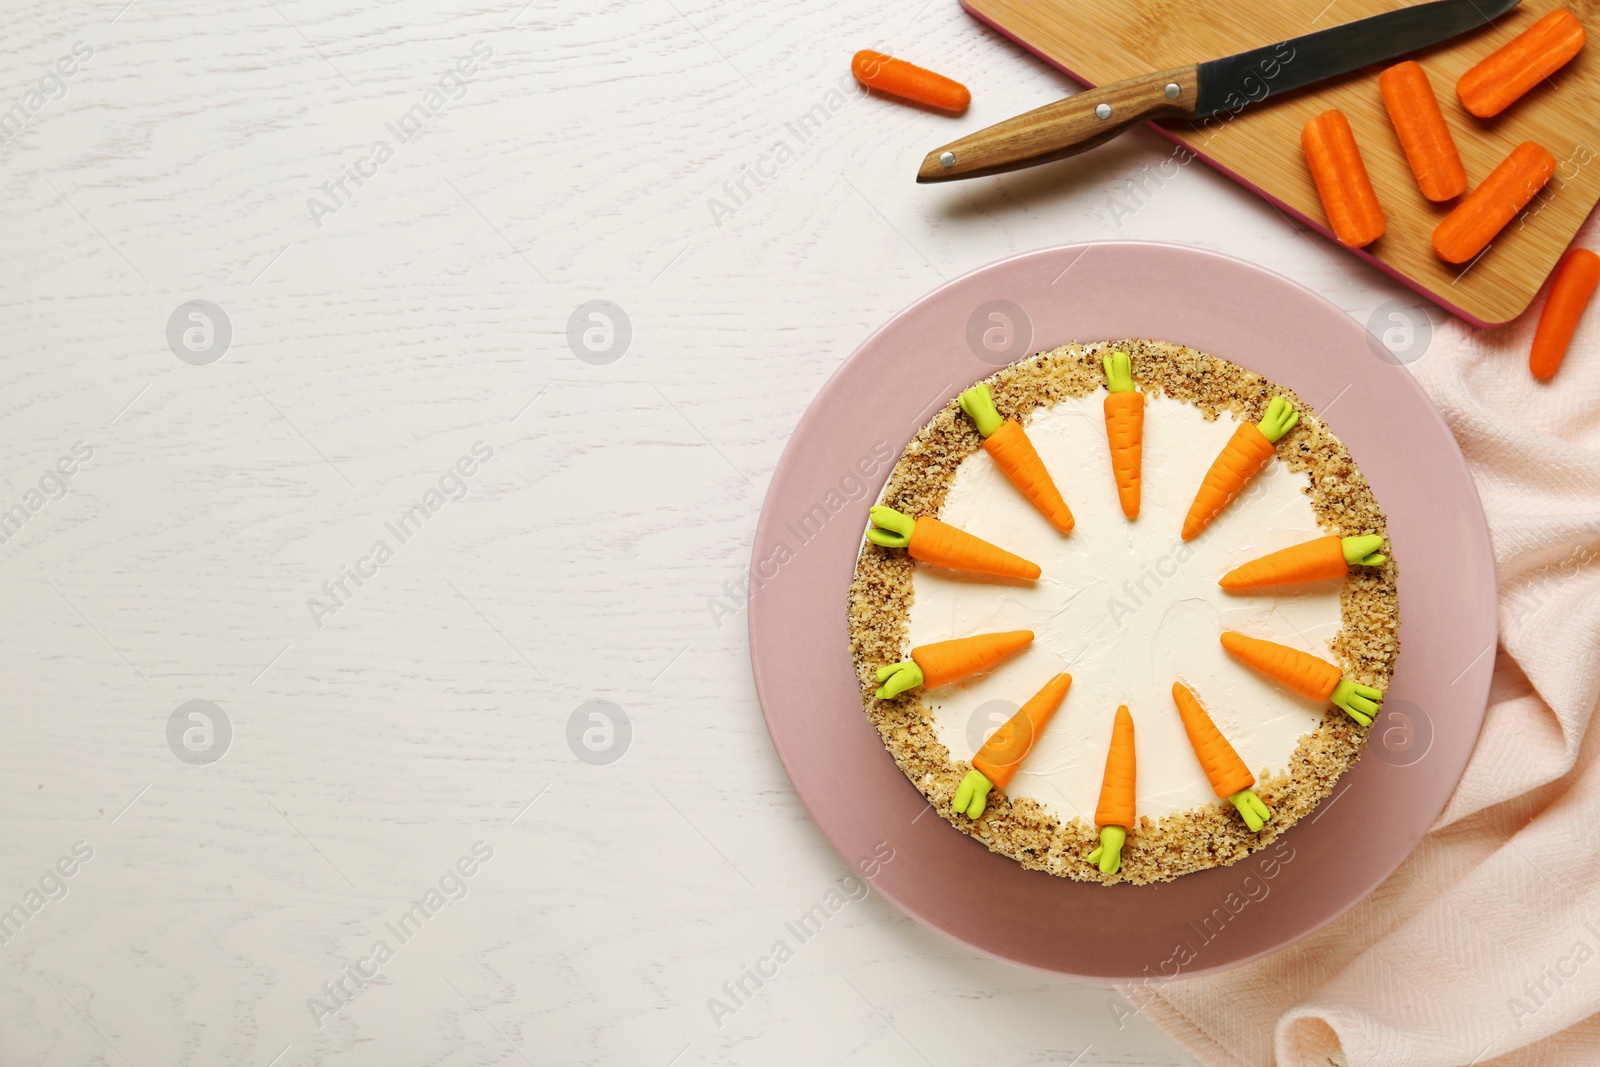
(944, 662)
(1570, 289)
(1115, 812)
(1342, 182)
(1309, 561)
(1124, 430)
(942, 545)
(1306, 675)
(1468, 229)
(1007, 442)
(909, 82)
(1418, 122)
(1226, 772)
(1504, 75)
(1246, 452)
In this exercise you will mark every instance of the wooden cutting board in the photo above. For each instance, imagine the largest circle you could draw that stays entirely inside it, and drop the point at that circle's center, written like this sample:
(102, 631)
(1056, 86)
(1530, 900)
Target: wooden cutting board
(1100, 41)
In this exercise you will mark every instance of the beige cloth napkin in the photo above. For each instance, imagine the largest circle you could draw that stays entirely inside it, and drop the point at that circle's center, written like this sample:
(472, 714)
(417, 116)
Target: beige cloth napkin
(1484, 947)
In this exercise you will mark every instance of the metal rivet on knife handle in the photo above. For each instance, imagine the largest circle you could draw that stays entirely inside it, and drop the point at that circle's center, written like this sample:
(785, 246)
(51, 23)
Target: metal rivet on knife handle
(1172, 90)
(1102, 112)
(947, 159)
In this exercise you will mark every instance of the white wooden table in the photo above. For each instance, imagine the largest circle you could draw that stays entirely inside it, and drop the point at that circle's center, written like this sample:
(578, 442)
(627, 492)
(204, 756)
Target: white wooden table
(387, 361)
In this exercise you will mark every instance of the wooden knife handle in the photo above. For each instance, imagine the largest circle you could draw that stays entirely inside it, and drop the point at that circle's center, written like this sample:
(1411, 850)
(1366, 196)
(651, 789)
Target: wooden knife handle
(1065, 127)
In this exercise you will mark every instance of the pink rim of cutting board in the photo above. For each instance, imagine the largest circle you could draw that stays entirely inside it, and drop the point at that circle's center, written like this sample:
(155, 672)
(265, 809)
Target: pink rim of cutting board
(799, 646)
(1283, 206)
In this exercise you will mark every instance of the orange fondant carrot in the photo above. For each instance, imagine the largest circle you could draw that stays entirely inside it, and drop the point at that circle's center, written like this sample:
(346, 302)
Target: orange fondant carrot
(1571, 287)
(1125, 430)
(1007, 443)
(1504, 75)
(1117, 791)
(1300, 671)
(1224, 769)
(943, 662)
(1246, 452)
(945, 546)
(1341, 177)
(1005, 750)
(909, 82)
(1468, 229)
(931, 541)
(1309, 561)
(1016, 456)
(1420, 125)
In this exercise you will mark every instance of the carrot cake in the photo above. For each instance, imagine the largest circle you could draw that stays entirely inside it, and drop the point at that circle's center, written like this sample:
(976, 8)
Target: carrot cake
(1123, 603)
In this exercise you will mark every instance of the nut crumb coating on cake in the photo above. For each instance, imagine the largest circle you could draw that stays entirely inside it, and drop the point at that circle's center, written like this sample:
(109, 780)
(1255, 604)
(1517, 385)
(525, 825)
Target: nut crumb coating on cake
(1208, 836)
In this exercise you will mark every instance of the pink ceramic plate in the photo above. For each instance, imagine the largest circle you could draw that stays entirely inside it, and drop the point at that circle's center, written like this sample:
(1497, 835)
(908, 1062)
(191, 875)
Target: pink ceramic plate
(811, 529)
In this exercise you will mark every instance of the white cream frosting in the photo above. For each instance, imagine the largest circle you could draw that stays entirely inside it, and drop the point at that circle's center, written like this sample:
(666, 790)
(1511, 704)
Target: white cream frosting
(1126, 608)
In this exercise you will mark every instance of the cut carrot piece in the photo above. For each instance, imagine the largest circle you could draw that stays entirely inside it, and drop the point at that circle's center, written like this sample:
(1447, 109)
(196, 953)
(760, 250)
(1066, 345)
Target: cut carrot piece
(1125, 430)
(1342, 182)
(1571, 287)
(1468, 229)
(1006, 748)
(909, 81)
(943, 662)
(1420, 125)
(1300, 671)
(1116, 807)
(1504, 75)
(1224, 769)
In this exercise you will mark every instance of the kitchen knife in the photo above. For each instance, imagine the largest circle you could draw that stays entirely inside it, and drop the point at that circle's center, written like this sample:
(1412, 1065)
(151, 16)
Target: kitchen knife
(1203, 90)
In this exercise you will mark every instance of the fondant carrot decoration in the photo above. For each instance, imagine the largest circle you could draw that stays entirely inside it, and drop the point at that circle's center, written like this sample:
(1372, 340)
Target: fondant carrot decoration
(1418, 122)
(1309, 561)
(909, 81)
(1007, 442)
(1468, 229)
(1341, 178)
(943, 662)
(997, 761)
(1246, 452)
(1115, 812)
(1570, 289)
(943, 545)
(1502, 76)
(1306, 675)
(1226, 772)
(1125, 430)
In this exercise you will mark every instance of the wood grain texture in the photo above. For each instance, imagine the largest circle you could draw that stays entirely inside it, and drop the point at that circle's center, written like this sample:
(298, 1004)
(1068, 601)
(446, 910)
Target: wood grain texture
(1064, 128)
(371, 349)
(1102, 41)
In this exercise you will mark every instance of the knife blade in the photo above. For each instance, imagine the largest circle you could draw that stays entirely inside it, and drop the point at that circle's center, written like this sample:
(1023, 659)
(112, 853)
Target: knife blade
(1202, 90)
